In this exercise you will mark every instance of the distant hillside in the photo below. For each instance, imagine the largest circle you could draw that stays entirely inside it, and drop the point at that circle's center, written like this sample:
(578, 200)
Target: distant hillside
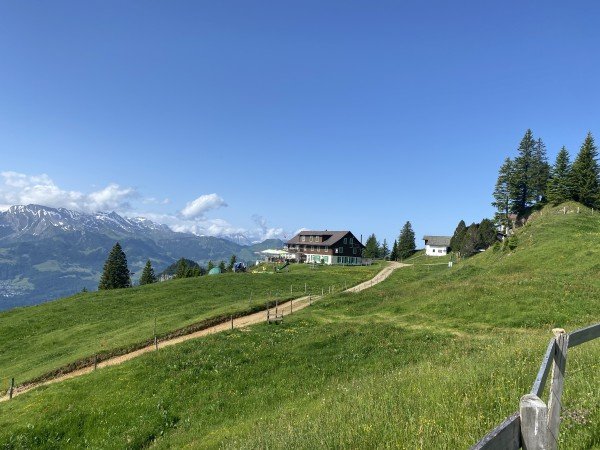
(46, 253)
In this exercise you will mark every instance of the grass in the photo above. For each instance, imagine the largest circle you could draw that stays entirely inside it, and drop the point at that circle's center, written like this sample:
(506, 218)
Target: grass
(37, 340)
(431, 358)
(420, 258)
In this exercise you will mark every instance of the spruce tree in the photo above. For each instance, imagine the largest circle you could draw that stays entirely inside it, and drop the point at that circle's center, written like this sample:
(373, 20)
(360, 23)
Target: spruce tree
(384, 251)
(210, 266)
(540, 172)
(559, 185)
(182, 269)
(406, 241)
(469, 244)
(585, 173)
(521, 183)
(115, 274)
(371, 247)
(486, 234)
(148, 276)
(458, 236)
(222, 267)
(394, 253)
(232, 261)
(502, 193)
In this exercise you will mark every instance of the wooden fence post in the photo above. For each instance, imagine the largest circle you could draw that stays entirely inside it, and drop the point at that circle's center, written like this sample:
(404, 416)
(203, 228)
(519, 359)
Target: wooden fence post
(534, 423)
(291, 306)
(267, 312)
(558, 379)
(309, 300)
(95, 362)
(232, 322)
(12, 388)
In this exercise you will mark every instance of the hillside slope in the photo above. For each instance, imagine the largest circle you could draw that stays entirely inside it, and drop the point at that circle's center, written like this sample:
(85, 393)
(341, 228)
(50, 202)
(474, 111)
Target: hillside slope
(46, 337)
(431, 358)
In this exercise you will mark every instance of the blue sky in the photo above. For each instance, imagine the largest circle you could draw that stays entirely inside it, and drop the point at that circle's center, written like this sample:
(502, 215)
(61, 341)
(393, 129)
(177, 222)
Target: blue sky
(313, 114)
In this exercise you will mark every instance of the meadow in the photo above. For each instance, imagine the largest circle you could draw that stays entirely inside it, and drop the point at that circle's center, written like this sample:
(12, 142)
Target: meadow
(433, 357)
(68, 332)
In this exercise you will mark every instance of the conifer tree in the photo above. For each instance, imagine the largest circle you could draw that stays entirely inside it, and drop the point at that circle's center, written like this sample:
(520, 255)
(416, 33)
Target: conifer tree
(458, 236)
(210, 266)
(469, 244)
(406, 241)
(486, 234)
(394, 253)
(559, 185)
(222, 266)
(521, 183)
(148, 276)
(371, 247)
(232, 261)
(384, 251)
(540, 172)
(585, 173)
(115, 274)
(182, 269)
(502, 193)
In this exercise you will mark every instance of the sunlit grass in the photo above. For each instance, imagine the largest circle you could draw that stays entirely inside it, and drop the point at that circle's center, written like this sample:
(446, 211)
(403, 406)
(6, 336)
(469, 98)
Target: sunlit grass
(38, 339)
(431, 358)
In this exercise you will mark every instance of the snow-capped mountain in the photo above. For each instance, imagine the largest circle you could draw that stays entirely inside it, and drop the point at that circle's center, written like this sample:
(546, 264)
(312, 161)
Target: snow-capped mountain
(47, 253)
(37, 221)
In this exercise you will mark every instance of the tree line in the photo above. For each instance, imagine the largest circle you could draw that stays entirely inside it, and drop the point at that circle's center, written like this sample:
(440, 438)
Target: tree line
(116, 274)
(467, 241)
(402, 248)
(528, 180)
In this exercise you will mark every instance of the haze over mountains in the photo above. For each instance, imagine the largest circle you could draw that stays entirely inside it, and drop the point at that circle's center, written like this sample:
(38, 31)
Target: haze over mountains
(46, 253)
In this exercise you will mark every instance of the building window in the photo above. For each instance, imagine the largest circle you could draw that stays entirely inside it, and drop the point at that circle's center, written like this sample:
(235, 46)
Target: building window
(351, 241)
(354, 251)
(303, 238)
(345, 240)
(341, 250)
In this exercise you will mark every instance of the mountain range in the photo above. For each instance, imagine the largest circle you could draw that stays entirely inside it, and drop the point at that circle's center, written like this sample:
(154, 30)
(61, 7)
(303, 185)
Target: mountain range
(46, 253)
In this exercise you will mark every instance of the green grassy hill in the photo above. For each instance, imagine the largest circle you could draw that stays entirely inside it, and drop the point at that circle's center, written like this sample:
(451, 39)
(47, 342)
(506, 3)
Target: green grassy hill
(66, 333)
(431, 358)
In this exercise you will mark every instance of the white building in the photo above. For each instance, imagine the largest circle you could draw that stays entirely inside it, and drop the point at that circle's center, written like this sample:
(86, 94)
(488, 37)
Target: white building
(436, 245)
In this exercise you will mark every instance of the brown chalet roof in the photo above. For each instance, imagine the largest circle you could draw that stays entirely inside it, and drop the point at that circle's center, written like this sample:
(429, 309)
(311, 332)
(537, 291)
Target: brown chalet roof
(334, 236)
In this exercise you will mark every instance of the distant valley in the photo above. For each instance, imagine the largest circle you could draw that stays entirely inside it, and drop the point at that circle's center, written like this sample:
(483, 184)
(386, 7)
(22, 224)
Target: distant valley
(46, 253)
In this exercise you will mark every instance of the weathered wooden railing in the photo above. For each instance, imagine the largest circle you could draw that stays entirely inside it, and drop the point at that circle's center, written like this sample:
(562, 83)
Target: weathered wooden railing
(536, 425)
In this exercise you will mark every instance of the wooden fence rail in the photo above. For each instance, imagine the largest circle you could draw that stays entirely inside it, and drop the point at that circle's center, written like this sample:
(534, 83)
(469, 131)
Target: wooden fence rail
(536, 425)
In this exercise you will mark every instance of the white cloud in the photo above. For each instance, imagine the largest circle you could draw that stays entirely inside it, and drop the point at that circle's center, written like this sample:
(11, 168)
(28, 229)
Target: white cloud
(198, 207)
(155, 201)
(267, 232)
(20, 189)
(216, 227)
